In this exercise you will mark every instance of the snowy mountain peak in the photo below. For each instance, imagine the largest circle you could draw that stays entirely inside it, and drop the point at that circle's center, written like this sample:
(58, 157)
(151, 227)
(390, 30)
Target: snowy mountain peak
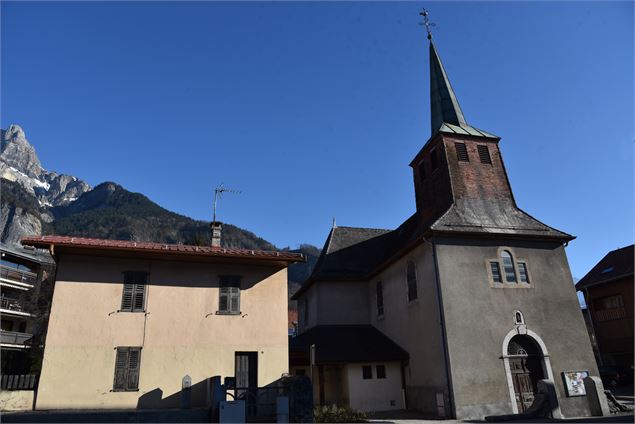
(19, 163)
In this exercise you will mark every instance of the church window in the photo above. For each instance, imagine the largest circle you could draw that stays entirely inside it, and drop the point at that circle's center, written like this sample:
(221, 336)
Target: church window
(411, 279)
(381, 371)
(367, 372)
(461, 152)
(518, 318)
(380, 299)
(522, 272)
(483, 154)
(496, 272)
(508, 264)
(433, 160)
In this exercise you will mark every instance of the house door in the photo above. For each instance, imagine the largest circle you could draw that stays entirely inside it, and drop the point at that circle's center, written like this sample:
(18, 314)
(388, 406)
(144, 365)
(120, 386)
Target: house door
(526, 369)
(246, 372)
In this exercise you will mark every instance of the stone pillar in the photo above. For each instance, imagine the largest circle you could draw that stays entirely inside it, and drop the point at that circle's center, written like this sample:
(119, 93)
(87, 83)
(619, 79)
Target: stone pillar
(597, 399)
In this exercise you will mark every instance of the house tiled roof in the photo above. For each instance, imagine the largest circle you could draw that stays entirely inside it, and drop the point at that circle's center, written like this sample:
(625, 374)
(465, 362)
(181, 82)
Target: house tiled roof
(345, 343)
(177, 249)
(615, 265)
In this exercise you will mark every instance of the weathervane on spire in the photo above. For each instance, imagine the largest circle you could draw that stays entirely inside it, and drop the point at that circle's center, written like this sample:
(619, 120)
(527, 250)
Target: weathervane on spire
(426, 23)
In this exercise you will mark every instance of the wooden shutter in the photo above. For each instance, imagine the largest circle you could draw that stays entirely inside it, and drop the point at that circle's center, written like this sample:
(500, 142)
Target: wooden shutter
(134, 359)
(126, 298)
(223, 301)
(121, 367)
(229, 294)
(138, 304)
(234, 304)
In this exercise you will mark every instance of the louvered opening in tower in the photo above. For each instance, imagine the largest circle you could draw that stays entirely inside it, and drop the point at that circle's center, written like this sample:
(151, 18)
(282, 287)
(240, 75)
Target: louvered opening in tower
(483, 154)
(461, 152)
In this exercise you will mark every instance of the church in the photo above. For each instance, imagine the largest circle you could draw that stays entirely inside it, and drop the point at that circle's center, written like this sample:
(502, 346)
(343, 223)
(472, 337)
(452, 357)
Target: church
(459, 311)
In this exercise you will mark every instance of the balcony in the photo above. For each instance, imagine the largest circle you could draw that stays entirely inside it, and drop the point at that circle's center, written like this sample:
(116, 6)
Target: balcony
(610, 314)
(10, 306)
(21, 279)
(14, 339)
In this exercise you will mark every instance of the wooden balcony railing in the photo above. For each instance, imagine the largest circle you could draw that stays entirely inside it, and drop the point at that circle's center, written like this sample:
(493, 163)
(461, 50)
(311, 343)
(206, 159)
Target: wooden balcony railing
(610, 314)
(15, 338)
(17, 275)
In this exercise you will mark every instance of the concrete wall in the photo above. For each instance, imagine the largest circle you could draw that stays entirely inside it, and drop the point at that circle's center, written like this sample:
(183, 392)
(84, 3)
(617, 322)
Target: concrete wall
(16, 400)
(375, 394)
(179, 333)
(479, 315)
(415, 326)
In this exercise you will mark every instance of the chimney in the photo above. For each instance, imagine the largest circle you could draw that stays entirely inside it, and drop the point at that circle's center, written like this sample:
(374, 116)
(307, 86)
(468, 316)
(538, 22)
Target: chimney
(216, 231)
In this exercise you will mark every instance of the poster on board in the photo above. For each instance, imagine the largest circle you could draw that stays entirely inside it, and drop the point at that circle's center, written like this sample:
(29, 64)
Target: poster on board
(574, 382)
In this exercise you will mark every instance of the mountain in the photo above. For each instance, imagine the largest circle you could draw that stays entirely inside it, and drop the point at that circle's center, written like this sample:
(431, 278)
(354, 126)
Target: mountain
(36, 201)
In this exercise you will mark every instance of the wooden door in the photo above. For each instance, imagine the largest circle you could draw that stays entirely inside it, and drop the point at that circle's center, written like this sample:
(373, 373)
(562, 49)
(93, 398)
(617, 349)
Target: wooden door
(246, 372)
(525, 379)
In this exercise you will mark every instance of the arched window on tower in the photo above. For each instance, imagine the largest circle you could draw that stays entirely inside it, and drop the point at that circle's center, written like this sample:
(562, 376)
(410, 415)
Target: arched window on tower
(518, 318)
(508, 265)
(411, 279)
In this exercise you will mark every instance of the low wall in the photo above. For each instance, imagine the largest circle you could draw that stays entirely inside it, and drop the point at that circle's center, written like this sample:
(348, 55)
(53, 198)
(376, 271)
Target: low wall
(16, 400)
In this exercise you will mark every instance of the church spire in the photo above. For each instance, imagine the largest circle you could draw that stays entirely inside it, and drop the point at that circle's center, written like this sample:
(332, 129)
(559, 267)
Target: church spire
(444, 106)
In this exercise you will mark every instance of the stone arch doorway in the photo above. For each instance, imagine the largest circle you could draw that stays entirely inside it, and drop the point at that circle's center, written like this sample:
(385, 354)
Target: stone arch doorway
(526, 362)
(526, 369)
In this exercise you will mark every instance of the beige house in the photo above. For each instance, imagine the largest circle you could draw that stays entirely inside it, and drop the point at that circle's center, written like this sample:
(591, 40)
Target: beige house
(129, 320)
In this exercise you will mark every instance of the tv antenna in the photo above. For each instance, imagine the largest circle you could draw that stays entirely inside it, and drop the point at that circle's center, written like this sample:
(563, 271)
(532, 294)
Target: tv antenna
(218, 193)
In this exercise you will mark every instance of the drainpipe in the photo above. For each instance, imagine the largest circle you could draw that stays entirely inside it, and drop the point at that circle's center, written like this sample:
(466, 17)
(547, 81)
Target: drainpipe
(443, 332)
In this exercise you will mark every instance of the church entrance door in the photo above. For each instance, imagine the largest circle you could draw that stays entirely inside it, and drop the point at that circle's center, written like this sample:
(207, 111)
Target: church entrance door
(525, 365)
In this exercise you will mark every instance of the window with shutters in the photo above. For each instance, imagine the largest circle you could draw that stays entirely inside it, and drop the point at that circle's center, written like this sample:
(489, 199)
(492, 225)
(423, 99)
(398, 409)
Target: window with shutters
(229, 295)
(483, 154)
(134, 291)
(461, 152)
(411, 280)
(127, 363)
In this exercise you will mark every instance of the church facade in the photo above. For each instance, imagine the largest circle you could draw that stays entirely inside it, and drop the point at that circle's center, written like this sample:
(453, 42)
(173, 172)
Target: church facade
(467, 304)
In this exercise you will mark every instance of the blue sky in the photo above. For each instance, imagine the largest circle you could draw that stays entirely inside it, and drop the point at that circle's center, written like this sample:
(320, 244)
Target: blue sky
(314, 110)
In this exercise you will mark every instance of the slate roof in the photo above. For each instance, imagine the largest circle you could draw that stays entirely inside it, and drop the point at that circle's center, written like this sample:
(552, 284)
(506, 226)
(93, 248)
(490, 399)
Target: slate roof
(160, 248)
(615, 265)
(345, 344)
(474, 215)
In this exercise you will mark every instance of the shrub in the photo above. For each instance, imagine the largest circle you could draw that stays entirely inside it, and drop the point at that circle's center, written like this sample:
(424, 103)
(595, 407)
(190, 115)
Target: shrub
(335, 414)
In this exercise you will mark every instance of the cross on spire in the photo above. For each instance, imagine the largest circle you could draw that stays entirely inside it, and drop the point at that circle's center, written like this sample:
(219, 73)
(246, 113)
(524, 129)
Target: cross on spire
(426, 23)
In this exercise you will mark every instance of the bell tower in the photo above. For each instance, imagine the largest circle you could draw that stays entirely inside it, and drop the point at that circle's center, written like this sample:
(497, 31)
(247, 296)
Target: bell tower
(459, 164)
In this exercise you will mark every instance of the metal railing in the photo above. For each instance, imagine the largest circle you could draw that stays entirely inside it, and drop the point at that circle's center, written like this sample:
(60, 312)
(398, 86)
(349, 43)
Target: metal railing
(18, 382)
(11, 304)
(14, 337)
(17, 275)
